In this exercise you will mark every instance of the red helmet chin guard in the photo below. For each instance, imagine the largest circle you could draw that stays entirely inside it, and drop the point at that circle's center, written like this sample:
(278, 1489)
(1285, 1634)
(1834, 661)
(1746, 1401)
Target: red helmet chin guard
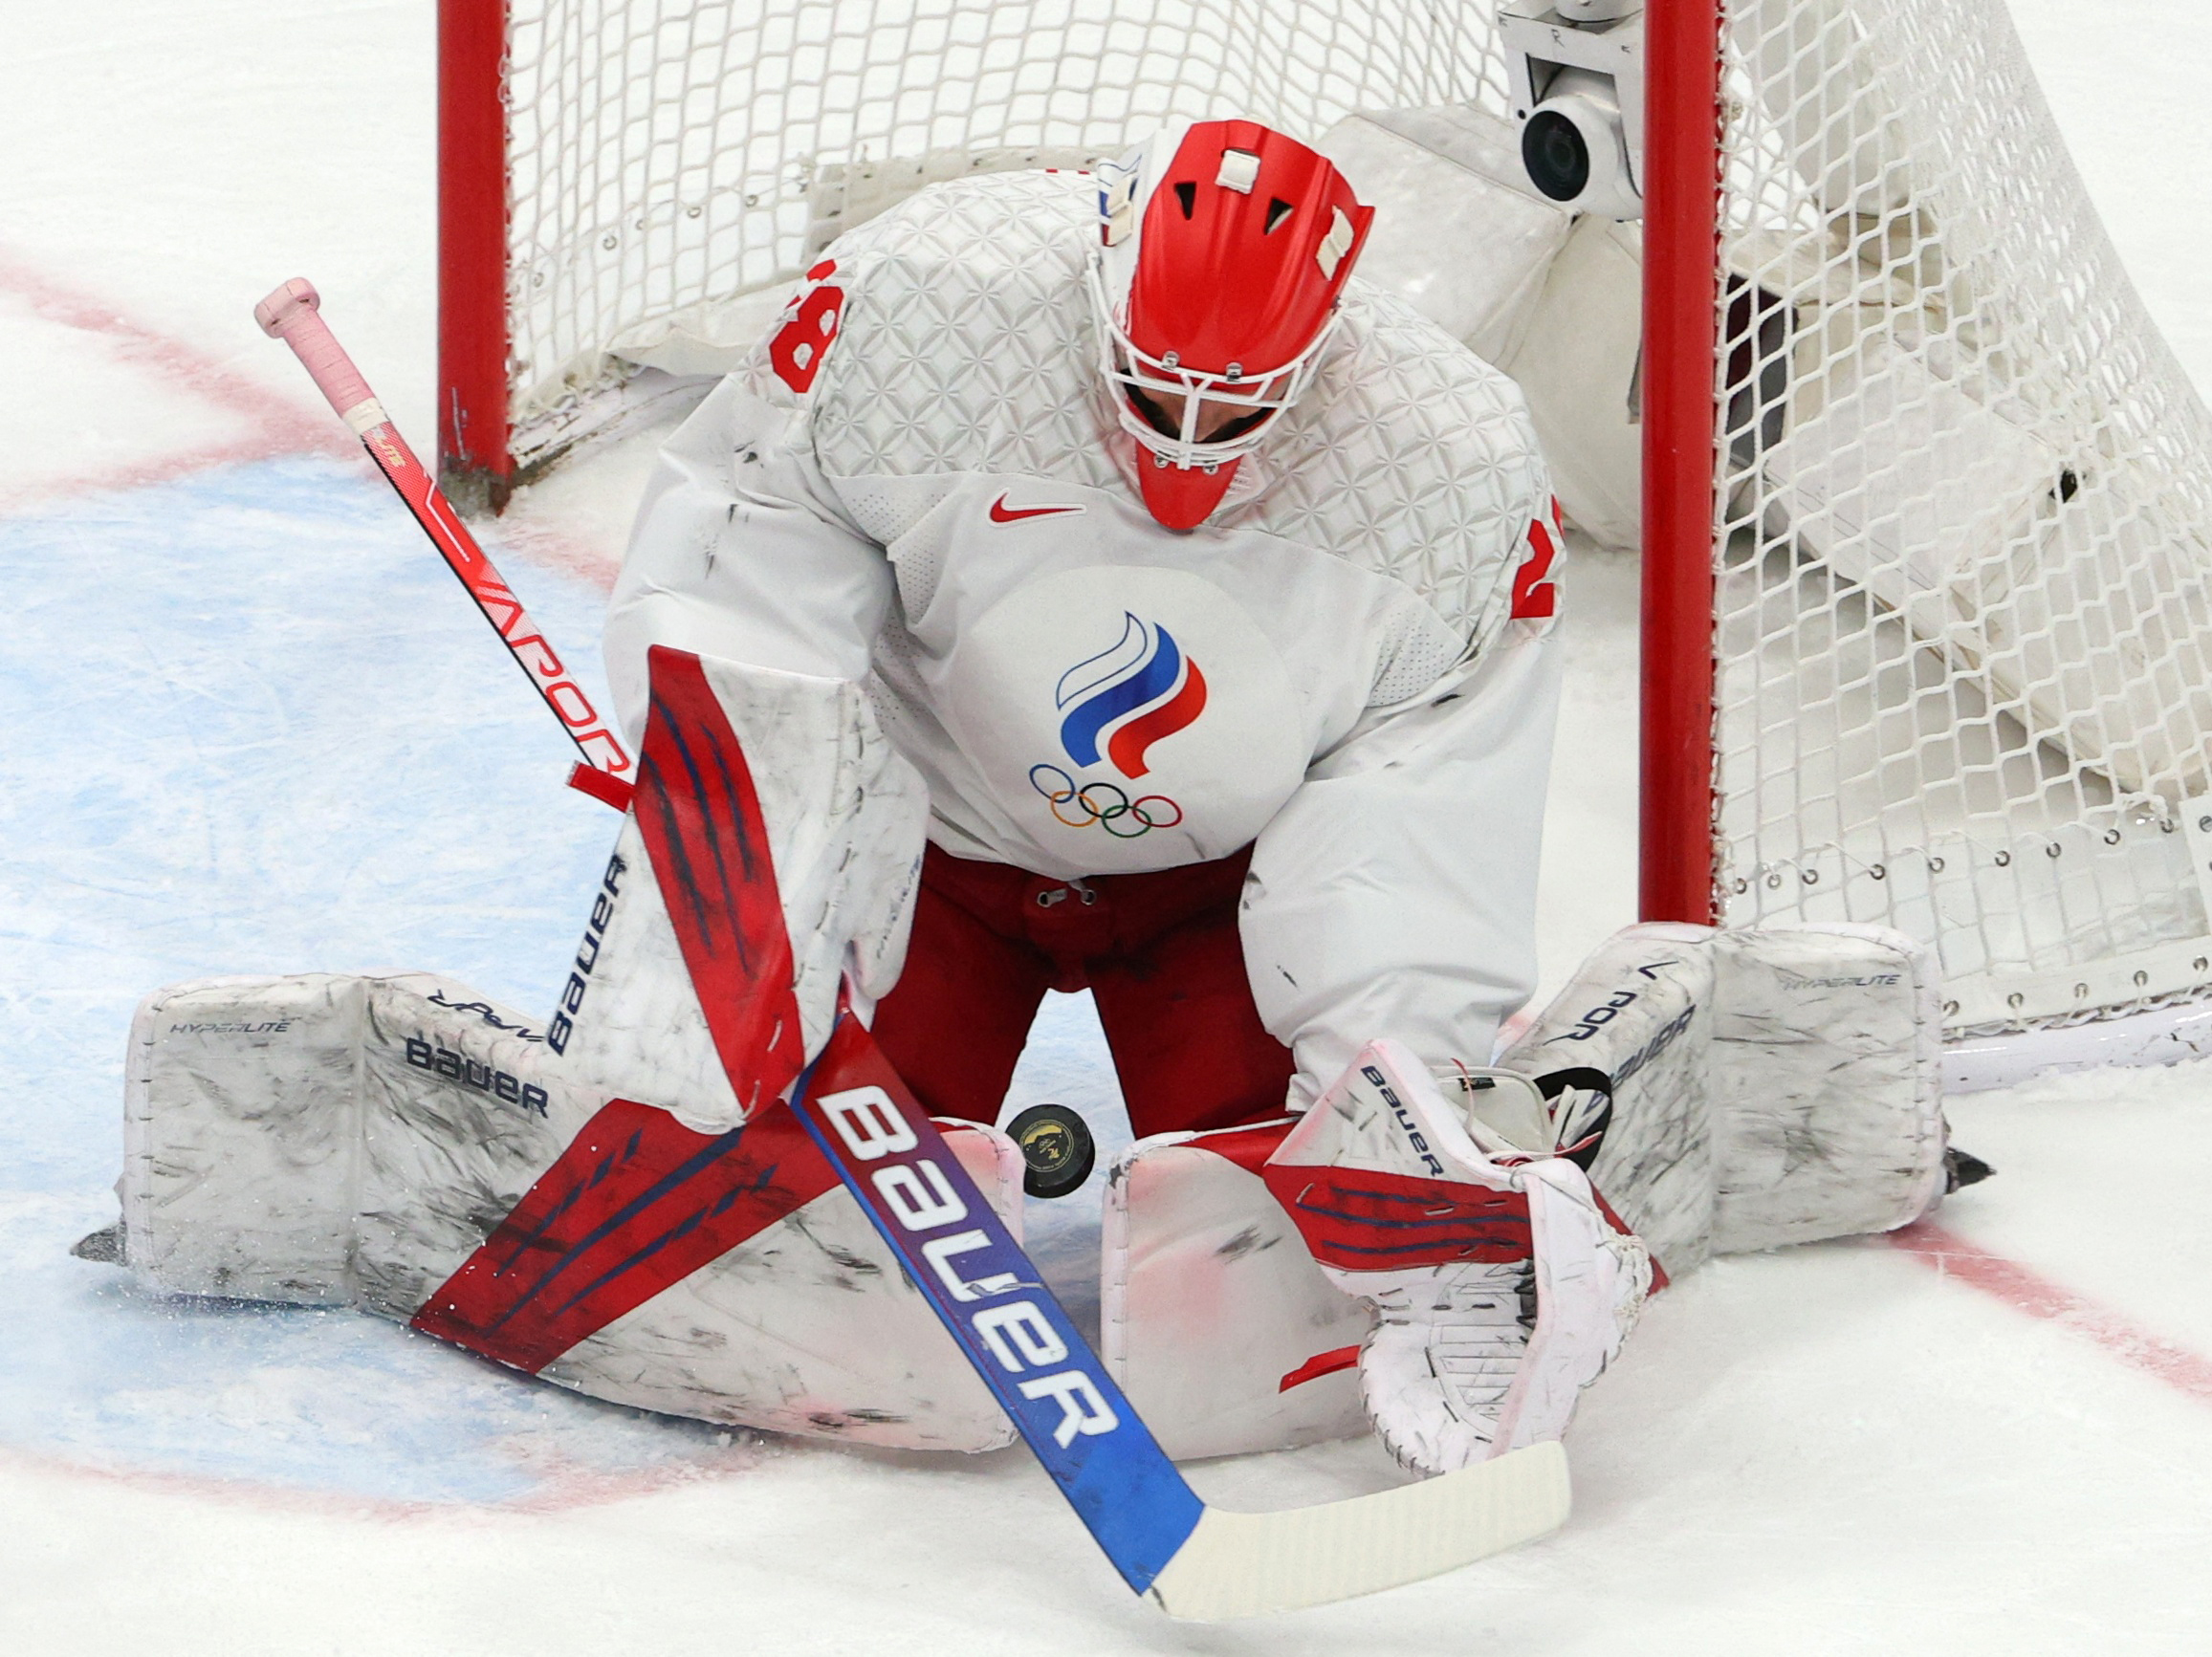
(1226, 246)
(1182, 497)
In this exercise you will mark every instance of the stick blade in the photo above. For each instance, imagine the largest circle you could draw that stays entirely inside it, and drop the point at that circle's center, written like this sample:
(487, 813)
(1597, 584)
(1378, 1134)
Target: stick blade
(1247, 1564)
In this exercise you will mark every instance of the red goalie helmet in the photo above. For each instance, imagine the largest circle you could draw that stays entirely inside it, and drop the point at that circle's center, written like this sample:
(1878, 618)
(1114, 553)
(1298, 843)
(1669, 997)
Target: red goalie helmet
(1225, 246)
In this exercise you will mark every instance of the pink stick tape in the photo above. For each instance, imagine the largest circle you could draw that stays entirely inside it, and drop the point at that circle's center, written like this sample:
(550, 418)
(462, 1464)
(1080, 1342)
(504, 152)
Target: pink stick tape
(290, 314)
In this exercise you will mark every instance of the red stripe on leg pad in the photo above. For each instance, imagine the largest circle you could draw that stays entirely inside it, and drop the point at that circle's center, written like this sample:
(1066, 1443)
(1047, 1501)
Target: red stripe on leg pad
(636, 1203)
(1248, 1148)
(639, 1201)
(707, 842)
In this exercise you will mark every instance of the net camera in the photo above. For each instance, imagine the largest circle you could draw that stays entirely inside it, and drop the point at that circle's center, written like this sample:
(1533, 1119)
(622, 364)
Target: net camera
(1577, 74)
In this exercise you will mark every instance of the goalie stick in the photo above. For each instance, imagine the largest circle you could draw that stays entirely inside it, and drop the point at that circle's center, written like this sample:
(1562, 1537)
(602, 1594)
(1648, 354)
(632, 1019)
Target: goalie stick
(700, 814)
(292, 315)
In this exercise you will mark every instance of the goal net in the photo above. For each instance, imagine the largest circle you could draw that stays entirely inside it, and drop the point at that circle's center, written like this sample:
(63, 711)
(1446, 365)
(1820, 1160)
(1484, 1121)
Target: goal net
(666, 160)
(1960, 535)
(1962, 636)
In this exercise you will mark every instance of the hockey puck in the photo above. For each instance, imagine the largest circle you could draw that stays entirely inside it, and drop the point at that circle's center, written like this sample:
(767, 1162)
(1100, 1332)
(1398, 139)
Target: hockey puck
(1960, 1169)
(1056, 1151)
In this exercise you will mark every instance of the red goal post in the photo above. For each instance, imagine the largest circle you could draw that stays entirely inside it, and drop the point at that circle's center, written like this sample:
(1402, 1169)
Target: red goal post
(1681, 334)
(474, 465)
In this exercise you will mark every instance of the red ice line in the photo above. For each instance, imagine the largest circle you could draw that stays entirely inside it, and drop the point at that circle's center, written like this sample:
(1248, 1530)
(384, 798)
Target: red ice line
(565, 1487)
(2028, 1291)
(553, 549)
(276, 425)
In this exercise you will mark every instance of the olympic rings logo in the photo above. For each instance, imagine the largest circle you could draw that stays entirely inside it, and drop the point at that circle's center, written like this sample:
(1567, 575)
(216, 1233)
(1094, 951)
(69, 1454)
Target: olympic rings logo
(1102, 803)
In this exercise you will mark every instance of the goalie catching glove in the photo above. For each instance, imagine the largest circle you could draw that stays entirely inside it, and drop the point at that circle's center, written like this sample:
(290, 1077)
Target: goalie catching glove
(1501, 1287)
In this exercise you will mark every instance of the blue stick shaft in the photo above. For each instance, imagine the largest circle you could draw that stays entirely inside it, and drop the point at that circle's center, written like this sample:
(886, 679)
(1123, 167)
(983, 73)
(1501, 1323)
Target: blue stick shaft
(993, 1300)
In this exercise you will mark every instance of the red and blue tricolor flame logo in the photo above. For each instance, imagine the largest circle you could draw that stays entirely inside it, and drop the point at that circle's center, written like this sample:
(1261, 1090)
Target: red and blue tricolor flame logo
(1114, 707)
(1142, 688)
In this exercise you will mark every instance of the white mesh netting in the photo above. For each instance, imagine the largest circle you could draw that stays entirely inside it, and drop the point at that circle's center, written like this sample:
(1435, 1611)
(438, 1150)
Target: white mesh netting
(1966, 649)
(1964, 642)
(666, 158)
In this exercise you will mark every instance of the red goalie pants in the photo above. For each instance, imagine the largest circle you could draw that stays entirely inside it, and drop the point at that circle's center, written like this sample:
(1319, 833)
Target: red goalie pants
(1159, 952)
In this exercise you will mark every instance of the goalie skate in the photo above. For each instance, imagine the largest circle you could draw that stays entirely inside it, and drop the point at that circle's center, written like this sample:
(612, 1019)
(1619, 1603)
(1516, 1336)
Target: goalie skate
(1501, 1287)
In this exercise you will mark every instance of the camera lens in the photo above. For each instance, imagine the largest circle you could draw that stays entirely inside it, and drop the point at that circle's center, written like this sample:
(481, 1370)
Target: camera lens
(1557, 160)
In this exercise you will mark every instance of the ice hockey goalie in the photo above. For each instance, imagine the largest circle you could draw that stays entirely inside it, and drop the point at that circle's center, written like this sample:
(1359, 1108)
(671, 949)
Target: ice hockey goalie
(1103, 590)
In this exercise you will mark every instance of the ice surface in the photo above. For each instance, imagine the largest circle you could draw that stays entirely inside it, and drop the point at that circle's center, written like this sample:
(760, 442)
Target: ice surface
(93, 406)
(254, 726)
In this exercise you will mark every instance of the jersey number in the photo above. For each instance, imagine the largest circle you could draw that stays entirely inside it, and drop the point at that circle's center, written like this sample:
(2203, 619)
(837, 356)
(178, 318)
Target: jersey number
(797, 351)
(1534, 596)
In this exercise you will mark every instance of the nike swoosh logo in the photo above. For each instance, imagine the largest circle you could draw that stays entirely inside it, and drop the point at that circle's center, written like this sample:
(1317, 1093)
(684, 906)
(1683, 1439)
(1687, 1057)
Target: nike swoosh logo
(1002, 514)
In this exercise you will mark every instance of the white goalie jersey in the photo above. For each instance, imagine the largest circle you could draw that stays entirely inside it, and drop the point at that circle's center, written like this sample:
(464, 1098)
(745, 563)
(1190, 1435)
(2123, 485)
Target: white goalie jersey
(919, 485)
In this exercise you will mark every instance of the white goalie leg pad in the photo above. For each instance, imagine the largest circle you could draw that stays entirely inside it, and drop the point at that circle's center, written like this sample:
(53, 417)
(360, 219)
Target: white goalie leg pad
(1500, 1288)
(1769, 1086)
(1772, 1086)
(241, 1106)
(354, 1140)
(1640, 1009)
(1827, 1078)
(845, 817)
(809, 1327)
(1212, 1317)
